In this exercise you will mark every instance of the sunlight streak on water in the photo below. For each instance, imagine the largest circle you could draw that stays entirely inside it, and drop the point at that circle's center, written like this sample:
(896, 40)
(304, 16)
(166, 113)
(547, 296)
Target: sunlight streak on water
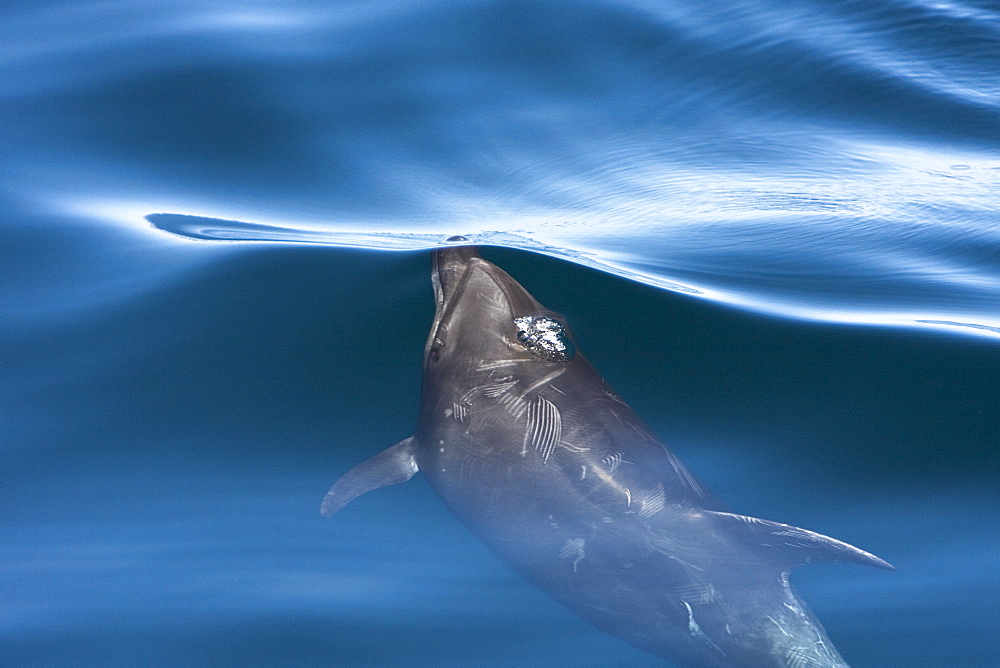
(874, 310)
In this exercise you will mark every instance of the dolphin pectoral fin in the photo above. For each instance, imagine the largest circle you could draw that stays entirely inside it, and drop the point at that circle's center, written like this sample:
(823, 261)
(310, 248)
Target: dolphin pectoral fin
(795, 546)
(389, 467)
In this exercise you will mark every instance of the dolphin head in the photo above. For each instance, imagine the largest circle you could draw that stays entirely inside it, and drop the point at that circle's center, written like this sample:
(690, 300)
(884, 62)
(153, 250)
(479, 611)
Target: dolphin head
(484, 316)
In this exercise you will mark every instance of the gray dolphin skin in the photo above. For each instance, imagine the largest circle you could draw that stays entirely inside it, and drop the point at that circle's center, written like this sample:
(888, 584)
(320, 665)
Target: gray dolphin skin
(526, 443)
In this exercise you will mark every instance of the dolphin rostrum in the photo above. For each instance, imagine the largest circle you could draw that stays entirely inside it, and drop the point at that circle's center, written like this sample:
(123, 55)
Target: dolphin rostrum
(533, 451)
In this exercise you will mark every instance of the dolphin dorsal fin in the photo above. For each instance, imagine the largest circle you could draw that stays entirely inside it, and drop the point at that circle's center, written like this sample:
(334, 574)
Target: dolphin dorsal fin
(797, 546)
(389, 467)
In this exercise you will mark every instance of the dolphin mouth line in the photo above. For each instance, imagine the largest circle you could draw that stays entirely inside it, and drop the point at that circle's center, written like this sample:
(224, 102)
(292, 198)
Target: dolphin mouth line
(451, 272)
(448, 292)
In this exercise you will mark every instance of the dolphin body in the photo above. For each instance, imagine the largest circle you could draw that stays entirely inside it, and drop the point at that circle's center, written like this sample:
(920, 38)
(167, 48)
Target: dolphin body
(527, 444)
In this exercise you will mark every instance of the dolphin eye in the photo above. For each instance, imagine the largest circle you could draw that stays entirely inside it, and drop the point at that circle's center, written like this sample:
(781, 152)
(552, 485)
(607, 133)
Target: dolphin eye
(545, 338)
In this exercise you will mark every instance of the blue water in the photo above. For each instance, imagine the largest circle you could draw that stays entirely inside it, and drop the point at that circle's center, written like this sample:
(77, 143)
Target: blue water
(795, 205)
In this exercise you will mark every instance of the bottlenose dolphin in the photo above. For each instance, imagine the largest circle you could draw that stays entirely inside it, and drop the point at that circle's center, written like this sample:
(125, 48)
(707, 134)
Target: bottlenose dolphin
(527, 444)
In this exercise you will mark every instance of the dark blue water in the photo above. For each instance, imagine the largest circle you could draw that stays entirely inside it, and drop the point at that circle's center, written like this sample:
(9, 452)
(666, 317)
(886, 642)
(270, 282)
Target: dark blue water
(795, 204)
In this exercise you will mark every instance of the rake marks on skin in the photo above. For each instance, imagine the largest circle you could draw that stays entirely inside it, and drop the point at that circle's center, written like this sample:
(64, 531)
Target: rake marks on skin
(696, 593)
(459, 412)
(513, 405)
(684, 474)
(499, 387)
(653, 502)
(573, 549)
(800, 658)
(612, 461)
(543, 428)
(695, 630)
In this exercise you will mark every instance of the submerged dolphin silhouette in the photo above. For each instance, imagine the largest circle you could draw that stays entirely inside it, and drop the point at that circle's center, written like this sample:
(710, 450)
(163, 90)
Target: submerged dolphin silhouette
(530, 448)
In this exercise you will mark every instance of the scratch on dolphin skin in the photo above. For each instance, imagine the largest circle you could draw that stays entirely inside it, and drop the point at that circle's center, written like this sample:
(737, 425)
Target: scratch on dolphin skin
(654, 502)
(684, 474)
(459, 411)
(573, 548)
(686, 564)
(613, 461)
(548, 378)
(572, 447)
(488, 366)
(696, 593)
(615, 397)
(780, 627)
(514, 405)
(800, 658)
(543, 428)
(494, 390)
(696, 631)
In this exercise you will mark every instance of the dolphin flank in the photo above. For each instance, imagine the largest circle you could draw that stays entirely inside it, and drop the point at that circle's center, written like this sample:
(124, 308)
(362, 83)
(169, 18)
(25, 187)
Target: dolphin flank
(526, 443)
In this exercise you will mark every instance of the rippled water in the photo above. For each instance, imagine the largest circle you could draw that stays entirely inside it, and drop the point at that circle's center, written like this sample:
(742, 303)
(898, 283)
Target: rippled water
(765, 173)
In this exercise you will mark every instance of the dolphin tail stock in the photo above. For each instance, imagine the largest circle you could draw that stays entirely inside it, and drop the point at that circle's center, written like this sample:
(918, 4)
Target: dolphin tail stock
(793, 546)
(389, 467)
